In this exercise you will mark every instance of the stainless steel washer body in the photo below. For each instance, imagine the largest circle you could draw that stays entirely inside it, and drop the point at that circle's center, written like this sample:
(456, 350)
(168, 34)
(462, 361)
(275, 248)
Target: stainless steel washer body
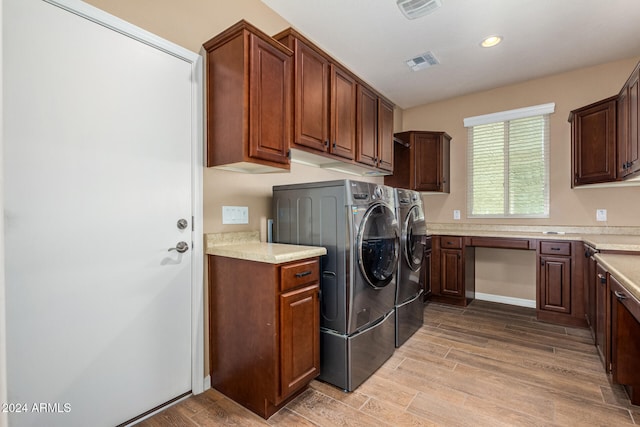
(356, 222)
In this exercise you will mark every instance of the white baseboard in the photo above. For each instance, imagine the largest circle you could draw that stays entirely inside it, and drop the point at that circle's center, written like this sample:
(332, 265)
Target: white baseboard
(506, 300)
(207, 382)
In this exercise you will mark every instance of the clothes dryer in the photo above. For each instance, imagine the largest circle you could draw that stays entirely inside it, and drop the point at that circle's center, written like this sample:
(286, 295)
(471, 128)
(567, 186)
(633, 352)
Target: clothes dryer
(409, 305)
(356, 222)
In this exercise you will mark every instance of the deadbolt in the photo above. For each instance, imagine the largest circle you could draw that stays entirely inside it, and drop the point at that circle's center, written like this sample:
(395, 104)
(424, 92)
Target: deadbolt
(182, 224)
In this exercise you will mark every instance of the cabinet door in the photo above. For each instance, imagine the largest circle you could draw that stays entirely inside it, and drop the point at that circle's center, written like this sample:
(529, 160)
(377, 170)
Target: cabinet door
(343, 113)
(555, 284)
(623, 132)
(603, 336)
(633, 140)
(312, 98)
(299, 338)
(451, 274)
(367, 110)
(594, 139)
(426, 275)
(385, 135)
(270, 102)
(625, 339)
(428, 158)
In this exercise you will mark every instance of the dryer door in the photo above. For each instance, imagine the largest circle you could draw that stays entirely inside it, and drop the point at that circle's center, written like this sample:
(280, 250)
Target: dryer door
(414, 231)
(378, 245)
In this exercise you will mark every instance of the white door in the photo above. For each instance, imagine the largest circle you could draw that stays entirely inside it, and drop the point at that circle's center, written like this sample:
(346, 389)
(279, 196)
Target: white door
(98, 171)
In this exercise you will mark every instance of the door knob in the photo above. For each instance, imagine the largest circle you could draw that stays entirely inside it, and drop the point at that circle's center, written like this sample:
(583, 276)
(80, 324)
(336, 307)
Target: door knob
(181, 247)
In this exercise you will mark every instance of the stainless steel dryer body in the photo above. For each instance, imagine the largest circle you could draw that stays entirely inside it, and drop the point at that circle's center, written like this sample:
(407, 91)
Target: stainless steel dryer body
(409, 305)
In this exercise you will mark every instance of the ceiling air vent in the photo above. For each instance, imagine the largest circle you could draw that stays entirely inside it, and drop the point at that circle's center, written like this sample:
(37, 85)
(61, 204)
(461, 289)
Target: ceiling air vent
(413, 9)
(422, 61)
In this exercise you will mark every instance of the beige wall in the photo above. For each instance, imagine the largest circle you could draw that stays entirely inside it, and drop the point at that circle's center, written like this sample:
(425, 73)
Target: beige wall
(569, 91)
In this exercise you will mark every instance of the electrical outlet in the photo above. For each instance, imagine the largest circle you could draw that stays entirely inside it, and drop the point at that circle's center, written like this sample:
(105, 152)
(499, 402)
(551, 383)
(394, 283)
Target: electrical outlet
(601, 214)
(235, 215)
(456, 214)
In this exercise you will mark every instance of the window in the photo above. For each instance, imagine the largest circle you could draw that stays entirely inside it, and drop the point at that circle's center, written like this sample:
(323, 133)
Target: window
(508, 163)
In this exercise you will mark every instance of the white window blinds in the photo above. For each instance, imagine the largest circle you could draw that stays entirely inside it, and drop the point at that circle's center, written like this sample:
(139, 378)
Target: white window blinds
(508, 164)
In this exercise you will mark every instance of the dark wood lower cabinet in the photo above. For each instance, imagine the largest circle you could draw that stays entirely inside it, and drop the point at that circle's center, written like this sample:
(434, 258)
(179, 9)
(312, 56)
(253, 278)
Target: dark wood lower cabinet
(625, 342)
(560, 286)
(264, 332)
(452, 270)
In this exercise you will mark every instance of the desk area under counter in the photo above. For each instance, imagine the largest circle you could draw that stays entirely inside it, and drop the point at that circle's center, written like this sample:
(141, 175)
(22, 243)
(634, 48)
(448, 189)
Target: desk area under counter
(553, 261)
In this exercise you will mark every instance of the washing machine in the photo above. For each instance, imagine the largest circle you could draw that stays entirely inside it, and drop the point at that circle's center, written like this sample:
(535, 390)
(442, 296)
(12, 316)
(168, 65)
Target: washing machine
(409, 307)
(356, 222)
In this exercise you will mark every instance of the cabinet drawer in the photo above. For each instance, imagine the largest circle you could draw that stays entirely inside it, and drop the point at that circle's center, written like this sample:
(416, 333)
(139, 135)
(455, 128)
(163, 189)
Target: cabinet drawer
(555, 248)
(451, 242)
(298, 274)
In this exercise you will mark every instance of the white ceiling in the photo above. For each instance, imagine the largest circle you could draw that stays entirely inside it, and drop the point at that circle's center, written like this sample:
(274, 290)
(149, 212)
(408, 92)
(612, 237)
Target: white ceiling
(541, 37)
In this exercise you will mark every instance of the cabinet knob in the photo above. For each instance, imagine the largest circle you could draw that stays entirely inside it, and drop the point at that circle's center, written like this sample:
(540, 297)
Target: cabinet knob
(542, 262)
(326, 143)
(602, 278)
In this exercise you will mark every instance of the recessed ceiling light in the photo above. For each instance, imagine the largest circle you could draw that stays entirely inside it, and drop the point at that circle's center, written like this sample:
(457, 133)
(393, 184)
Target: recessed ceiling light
(491, 41)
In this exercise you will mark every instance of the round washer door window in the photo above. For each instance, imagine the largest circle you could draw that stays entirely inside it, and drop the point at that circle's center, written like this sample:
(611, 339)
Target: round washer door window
(413, 245)
(378, 245)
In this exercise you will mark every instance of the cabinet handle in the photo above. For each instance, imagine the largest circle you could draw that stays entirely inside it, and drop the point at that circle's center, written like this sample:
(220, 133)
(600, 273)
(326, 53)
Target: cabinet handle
(602, 278)
(542, 262)
(326, 143)
(555, 249)
(620, 295)
(629, 164)
(304, 273)
(334, 145)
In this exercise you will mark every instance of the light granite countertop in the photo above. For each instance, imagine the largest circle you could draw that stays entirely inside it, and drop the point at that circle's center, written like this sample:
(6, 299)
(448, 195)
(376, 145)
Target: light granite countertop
(247, 246)
(625, 268)
(600, 238)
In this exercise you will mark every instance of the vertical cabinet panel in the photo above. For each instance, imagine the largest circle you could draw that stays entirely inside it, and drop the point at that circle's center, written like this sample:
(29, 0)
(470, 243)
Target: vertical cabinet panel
(602, 316)
(385, 135)
(300, 338)
(343, 114)
(270, 100)
(312, 98)
(451, 274)
(555, 284)
(367, 151)
(594, 142)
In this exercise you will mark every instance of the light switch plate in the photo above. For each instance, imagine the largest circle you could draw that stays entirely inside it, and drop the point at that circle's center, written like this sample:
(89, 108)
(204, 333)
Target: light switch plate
(601, 214)
(235, 215)
(456, 214)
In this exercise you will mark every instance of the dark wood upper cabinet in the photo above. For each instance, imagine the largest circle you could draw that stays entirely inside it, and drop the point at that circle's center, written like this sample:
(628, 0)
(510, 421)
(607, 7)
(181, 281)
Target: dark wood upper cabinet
(249, 100)
(628, 130)
(336, 114)
(605, 137)
(421, 161)
(375, 129)
(593, 134)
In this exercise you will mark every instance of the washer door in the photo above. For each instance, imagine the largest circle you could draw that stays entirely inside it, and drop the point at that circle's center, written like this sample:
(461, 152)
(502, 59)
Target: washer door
(378, 246)
(413, 234)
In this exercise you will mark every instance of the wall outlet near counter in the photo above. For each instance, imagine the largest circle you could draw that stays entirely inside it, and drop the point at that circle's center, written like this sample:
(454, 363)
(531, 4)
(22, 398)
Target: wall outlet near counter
(235, 215)
(601, 214)
(456, 214)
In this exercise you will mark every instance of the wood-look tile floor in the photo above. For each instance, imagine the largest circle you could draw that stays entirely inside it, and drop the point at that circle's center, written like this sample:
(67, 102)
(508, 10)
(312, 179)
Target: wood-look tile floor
(484, 365)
